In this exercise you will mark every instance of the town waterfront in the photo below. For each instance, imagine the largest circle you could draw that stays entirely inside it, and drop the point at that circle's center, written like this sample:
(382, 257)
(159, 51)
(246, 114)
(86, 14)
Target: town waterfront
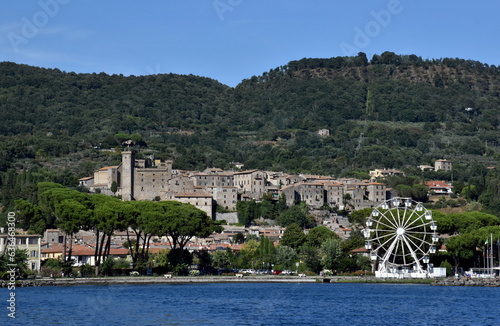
(255, 304)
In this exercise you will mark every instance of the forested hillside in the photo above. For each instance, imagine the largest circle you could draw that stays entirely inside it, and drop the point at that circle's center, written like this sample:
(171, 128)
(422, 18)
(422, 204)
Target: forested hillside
(393, 111)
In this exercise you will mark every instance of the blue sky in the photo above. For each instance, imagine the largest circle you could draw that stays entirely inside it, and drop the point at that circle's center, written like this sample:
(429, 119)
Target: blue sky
(230, 40)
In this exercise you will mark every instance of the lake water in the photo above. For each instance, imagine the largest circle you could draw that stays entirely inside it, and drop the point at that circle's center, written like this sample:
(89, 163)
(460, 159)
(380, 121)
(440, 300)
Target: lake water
(255, 304)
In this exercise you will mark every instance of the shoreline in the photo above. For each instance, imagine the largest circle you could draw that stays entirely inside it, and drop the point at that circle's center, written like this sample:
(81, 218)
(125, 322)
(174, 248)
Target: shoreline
(134, 280)
(467, 281)
(120, 280)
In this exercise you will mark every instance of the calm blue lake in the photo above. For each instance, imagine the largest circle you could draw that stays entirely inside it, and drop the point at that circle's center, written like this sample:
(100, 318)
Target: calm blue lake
(255, 304)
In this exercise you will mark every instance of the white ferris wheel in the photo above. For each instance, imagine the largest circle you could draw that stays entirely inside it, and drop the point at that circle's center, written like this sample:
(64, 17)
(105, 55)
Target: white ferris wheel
(401, 235)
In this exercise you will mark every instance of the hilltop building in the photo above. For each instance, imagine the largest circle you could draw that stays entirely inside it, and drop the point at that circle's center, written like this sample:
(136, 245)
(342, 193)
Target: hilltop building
(136, 180)
(382, 173)
(444, 165)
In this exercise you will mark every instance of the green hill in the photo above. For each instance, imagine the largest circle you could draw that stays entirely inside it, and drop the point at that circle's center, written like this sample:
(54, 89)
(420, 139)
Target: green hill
(394, 111)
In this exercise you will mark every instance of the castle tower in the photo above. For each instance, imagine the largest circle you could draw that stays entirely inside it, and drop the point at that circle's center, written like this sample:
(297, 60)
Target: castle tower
(127, 184)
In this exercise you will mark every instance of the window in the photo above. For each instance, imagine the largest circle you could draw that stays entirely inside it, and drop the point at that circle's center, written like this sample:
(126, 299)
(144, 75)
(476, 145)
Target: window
(33, 253)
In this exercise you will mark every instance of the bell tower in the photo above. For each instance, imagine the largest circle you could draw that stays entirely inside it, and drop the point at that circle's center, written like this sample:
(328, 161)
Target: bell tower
(127, 184)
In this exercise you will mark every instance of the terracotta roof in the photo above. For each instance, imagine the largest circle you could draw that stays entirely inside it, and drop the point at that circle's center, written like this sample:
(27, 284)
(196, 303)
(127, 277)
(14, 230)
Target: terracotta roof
(108, 167)
(438, 184)
(81, 250)
(360, 250)
(334, 184)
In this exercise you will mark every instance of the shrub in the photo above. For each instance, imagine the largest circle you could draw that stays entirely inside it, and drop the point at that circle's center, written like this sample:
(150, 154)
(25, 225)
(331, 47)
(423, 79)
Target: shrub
(87, 271)
(48, 271)
(448, 266)
(194, 272)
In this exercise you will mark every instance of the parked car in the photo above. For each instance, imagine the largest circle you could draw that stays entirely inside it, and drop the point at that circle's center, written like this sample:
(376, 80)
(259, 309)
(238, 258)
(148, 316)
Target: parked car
(247, 271)
(276, 272)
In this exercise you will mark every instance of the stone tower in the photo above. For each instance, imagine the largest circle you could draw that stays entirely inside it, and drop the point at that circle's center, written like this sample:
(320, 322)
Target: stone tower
(127, 182)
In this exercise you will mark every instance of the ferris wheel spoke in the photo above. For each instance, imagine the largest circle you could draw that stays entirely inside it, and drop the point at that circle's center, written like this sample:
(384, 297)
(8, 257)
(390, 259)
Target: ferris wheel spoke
(416, 232)
(420, 225)
(417, 235)
(394, 218)
(412, 251)
(393, 227)
(387, 225)
(390, 239)
(395, 251)
(404, 254)
(414, 239)
(382, 238)
(390, 250)
(415, 245)
(408, 220)
(389, 220)
(422, 240)
(419, 218)
(401, 215)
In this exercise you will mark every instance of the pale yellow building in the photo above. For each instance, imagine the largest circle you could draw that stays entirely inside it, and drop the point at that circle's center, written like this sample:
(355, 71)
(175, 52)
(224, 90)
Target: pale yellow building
(29, 242)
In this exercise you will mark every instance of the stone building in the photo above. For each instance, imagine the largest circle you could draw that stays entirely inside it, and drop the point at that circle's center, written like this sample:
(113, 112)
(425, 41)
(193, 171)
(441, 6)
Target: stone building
(103, 180)
(444, 165)
(317, 194)
(313, 194)
(201, 201)
(334, 194)
(141, 183)
(251, 182)
(216, 179)
(376, 192)
(226, 196)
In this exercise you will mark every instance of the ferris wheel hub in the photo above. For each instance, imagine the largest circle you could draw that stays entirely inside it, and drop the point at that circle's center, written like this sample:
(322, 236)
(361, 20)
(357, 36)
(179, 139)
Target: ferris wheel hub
(400, 231)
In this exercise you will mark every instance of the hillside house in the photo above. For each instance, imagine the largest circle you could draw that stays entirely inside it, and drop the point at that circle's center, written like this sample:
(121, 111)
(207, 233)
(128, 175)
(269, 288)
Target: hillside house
(444, 165)
(382, 173)
(439, 187)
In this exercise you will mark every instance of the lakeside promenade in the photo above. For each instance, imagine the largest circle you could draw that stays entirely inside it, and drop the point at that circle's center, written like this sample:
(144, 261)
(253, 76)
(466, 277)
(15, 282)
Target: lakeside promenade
(451, 281)
(164, 280)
